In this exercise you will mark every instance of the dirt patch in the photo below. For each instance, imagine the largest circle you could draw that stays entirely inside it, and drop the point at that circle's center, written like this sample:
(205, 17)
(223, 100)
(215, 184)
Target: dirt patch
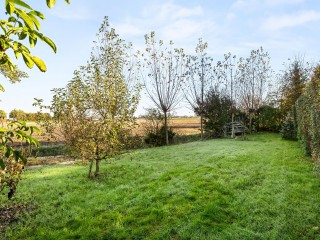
(49, 160)
(11, 214)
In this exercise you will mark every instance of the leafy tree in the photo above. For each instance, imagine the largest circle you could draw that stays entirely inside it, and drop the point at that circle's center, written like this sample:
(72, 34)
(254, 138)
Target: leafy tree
(293, 82)
(3, 115)
(199, 80)
(166, 68)
(18, 115)
(217, 112)
(95, 110)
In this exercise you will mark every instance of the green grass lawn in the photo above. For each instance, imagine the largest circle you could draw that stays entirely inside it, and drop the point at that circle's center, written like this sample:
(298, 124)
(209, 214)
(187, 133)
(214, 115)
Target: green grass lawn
(263, 188)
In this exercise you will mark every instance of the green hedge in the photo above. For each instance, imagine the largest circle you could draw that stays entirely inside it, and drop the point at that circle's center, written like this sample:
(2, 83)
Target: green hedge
(308, 116)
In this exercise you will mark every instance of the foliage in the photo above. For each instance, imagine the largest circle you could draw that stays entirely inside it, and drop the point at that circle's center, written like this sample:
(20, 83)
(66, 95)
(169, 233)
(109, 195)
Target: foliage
(3, 115)
(95, 110)
(10, 176)
(166, 67)
(23, 22)
(293, 81)
(154, 128)
(215, 189)
(14, 74)
(268, 119)
(11, 158)
(18, 115)
(308, 116)
(158, 138)
(289, 129)
(217, 112)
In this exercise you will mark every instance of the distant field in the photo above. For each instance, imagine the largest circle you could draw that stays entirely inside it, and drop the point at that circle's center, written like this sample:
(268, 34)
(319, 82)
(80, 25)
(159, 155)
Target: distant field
(181, 126)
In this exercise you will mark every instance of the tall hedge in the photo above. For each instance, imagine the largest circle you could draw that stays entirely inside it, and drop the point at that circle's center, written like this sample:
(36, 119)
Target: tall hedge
(308, 116)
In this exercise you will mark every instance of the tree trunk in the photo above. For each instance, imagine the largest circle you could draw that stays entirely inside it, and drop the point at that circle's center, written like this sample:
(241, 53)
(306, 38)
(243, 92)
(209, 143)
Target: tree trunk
(90, 175)
(232, 131)
(201, 126)
(166, 127)
(250, 123)
(97, 167)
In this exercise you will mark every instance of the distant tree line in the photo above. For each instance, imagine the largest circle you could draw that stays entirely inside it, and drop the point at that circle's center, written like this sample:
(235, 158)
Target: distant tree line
(20, 115)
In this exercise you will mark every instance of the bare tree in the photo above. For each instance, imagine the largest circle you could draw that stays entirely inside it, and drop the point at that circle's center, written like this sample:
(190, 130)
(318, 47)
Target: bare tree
(166, 67)
(228, 74)
(255, 72)
(199, 80)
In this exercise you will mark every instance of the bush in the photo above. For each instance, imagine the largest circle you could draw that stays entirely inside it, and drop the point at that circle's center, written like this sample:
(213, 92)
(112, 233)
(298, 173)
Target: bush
(217, 112)
(159, 138)
(268, 119)
(288, 130)
(10, 176)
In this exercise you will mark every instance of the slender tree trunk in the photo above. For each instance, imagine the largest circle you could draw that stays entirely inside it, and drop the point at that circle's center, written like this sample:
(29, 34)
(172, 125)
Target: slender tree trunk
(90, 169)
(97, 167)
(201, 126)
(232, 131)
(166, 127)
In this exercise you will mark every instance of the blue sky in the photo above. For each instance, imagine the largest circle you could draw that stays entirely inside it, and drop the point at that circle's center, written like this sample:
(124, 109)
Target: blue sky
(284, 28)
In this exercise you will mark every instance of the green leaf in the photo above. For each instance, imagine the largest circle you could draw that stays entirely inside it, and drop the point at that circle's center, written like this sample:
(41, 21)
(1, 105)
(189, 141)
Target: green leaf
(23, 158)
(40, 64)
(22, 4)
(51, 3)
(27, 59)
(25, 17)
(67, 1)
(50, 43)
(35, 21)
(10, 7)
(1, 88)
(2, 165)
(12, 19)
(32, 41)
(37, 13)
(22, 35)
(8, 152)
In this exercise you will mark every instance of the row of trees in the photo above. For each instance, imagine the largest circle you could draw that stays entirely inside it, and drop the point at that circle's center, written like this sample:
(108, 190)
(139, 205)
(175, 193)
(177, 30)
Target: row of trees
(172, 75)
(20, 115)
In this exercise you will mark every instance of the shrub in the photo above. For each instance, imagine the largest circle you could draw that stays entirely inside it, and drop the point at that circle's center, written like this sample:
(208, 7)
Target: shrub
(217, 112)
(288, 130)
(268, 119)
(308, 116)
(10, 176)
(159, 138)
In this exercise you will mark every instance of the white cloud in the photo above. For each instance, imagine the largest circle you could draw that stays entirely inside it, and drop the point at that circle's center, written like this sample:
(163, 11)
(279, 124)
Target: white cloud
(290, 20)
(170, 21)
(270, 3)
